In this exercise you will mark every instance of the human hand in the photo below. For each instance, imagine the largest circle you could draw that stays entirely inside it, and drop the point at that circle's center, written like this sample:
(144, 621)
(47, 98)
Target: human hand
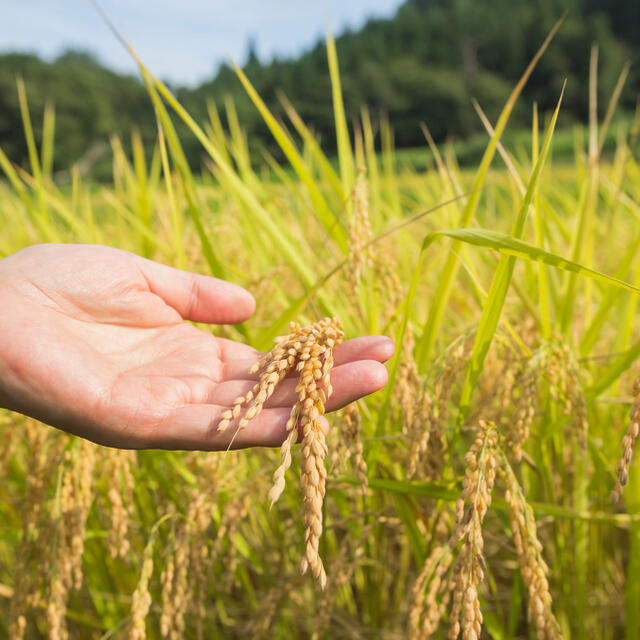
(93, 341)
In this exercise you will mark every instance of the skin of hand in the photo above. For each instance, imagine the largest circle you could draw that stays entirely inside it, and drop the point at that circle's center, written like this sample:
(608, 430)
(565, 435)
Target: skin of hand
(94, 341)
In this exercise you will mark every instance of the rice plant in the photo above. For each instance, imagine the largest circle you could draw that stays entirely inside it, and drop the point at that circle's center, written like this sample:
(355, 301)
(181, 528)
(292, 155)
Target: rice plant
(470, 497)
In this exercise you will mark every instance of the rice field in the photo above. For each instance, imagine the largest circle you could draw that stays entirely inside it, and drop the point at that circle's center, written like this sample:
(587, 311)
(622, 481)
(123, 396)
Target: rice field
(479, 494)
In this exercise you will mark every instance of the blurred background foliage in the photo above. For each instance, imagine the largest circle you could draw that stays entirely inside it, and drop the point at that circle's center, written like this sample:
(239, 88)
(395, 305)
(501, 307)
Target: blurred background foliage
(424, 64)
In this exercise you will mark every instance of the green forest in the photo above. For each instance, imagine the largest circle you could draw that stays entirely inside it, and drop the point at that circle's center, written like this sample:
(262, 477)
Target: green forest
(423, 65)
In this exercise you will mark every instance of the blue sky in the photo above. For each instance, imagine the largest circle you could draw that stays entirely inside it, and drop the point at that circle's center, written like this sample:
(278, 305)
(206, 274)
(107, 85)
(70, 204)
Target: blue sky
(183, 41)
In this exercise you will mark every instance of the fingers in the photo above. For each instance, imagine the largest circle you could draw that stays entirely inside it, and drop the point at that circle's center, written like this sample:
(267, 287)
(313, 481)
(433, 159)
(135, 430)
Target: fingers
(349, 381)
(233, 352)
(195, 427)
(197, 297)
(378, 348)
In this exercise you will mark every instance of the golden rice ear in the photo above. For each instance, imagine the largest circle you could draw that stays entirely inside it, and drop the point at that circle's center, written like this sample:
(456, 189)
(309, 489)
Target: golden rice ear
(69, 529)
(533, 568)
(627, 444)
(360, 235)
(141, 600)
(309, 351)
(351, 432)
(477, 487)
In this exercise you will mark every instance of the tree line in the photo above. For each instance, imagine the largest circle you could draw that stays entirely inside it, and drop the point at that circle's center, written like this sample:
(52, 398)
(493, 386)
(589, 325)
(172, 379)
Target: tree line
(423, 64)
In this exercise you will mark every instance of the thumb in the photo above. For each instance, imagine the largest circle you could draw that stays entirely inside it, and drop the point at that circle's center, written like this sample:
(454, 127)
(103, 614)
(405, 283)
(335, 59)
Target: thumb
(197, 297)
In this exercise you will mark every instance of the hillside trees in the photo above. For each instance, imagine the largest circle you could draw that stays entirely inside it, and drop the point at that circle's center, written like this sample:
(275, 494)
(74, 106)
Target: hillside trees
(424, 64)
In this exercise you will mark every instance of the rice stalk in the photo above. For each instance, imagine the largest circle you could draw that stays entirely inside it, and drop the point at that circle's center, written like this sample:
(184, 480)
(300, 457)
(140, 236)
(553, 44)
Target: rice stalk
(627, 445)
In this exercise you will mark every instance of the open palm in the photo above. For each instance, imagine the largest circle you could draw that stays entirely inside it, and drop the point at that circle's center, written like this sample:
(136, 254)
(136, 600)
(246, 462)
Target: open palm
(93, 340)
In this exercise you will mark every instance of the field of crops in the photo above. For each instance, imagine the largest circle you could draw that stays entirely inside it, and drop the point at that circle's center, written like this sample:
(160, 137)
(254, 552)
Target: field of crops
(473, 492)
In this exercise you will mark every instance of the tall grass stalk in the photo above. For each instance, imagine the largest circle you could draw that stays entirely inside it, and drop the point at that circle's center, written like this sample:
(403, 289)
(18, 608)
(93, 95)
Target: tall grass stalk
(537, 336)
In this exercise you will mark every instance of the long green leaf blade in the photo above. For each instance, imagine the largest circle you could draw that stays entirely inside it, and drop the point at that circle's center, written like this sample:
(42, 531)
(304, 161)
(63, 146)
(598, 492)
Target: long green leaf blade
(345, 157)
(502, 279)
(521, 249)
(442, 293)
(325, 215)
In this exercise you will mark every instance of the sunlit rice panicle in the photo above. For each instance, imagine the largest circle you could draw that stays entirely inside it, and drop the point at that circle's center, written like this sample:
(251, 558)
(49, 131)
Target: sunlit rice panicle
(182, 583)
(426, 415)
(74, 500)
(576, 404)
(44, 454)
(387, 282)
(308, 369)
(253, 402)
(312, 484)
(141, 600)
(235, 512)
(406, 388)
(117, 468)
(184, 571)
(359, 230)
(524, 396)
(309, 352)
(419, 427)
(273, 366)
(200, 582)
(562, 370)
(477, 486)
(431, 594)
(507, 385)
(533, 568)
(415, 405)
(627, 444)
(350, 435)
(166, 579)
(452, 365)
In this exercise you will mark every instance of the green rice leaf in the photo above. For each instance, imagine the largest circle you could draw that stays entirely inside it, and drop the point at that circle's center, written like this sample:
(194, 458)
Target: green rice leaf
(327, 218)
(443, 292)
(186, 178)
(312, 143)
(521, 249)
(345, 157)
(492, 308)
(619, 365)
